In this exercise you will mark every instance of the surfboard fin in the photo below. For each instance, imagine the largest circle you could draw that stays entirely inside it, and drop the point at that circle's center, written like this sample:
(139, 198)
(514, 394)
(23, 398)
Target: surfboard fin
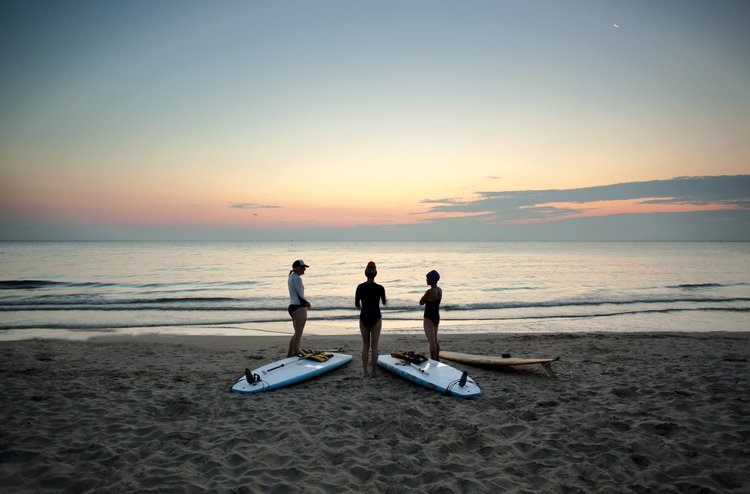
(250, 377)
(464, 377)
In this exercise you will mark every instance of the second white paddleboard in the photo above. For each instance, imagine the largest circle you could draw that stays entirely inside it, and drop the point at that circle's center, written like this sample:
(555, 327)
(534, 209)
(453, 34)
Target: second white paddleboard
(432, 374)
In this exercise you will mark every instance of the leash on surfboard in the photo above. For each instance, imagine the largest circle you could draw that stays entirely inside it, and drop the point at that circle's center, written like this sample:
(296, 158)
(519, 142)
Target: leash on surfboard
(461, 383)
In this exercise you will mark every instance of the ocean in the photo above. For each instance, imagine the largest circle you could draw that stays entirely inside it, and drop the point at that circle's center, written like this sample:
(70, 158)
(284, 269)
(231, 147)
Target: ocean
(83, 289)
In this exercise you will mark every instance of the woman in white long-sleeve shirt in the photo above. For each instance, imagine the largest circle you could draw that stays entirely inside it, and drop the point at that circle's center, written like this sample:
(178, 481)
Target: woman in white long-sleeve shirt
(297, 304)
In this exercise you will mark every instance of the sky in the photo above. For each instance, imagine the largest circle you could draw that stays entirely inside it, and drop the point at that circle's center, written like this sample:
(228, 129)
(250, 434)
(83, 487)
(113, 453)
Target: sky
(388, 119)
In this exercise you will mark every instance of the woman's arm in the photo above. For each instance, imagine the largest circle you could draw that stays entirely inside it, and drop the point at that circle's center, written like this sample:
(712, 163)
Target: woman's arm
(428, 296)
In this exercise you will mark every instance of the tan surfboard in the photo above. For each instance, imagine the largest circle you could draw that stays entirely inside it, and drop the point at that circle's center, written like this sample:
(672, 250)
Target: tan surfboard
(493, 360)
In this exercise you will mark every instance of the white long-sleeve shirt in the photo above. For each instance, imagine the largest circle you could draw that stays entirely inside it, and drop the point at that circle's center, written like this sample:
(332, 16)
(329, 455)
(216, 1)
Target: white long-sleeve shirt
(296, 289)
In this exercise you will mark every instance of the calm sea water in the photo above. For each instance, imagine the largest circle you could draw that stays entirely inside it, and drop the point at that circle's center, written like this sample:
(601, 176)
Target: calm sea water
(80, 289)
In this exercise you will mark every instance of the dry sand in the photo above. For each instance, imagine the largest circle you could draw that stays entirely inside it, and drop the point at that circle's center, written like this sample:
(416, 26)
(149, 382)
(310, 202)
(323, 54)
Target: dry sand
(628, 413)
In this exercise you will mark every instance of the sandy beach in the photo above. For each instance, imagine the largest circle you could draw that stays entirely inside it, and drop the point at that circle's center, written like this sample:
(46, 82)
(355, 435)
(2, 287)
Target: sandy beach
(627, 413)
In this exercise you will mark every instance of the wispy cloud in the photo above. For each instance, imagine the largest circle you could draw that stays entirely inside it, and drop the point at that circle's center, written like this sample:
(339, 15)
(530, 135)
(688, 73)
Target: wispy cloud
(681, 194)
(251, 205)
(446, 200)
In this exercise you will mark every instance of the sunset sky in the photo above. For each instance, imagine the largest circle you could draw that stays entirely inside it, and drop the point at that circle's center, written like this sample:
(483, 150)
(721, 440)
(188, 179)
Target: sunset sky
(389, 119)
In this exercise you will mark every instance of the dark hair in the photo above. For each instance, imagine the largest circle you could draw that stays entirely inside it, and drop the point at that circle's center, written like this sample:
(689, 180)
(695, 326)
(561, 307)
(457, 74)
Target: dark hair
(433, 277)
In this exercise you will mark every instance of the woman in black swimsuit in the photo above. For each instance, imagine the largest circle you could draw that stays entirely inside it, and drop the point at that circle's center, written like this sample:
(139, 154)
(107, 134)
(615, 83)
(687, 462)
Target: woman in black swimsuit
(431, 301)
(368, 297)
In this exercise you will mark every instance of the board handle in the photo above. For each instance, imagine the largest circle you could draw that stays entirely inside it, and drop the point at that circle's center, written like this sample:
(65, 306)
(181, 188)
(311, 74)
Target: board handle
(273, 368)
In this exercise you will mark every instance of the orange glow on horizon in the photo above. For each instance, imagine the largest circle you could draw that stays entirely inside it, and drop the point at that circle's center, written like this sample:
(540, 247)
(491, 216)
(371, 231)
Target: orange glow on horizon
(123, 209)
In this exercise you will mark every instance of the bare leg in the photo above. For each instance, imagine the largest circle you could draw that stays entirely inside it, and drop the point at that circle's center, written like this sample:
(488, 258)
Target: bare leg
(299, 318)
(430, 330)
(365, 347)
(437, 345)
(375, 337)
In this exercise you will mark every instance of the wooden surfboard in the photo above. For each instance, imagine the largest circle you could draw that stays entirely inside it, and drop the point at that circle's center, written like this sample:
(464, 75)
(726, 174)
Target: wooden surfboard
(493, 360)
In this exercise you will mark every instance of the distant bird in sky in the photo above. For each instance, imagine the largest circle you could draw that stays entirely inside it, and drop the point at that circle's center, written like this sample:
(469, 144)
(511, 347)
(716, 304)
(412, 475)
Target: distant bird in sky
(615, 25)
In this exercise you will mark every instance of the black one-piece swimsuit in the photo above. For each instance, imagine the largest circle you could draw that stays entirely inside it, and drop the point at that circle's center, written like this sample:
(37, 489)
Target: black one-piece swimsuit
(432, 311)
(370, 295)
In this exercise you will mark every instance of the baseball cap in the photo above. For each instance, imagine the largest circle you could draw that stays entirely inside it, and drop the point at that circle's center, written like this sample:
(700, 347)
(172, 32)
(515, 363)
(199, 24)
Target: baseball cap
(298, 263)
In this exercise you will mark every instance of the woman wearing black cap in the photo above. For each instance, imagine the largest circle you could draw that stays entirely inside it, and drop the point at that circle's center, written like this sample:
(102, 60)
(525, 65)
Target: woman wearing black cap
(431, 301)
(368, 297)
(297, 304)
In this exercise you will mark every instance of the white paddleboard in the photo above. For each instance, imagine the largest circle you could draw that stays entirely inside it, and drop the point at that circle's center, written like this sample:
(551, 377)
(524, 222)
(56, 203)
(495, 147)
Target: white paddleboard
(432, 374)
(288, 371)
